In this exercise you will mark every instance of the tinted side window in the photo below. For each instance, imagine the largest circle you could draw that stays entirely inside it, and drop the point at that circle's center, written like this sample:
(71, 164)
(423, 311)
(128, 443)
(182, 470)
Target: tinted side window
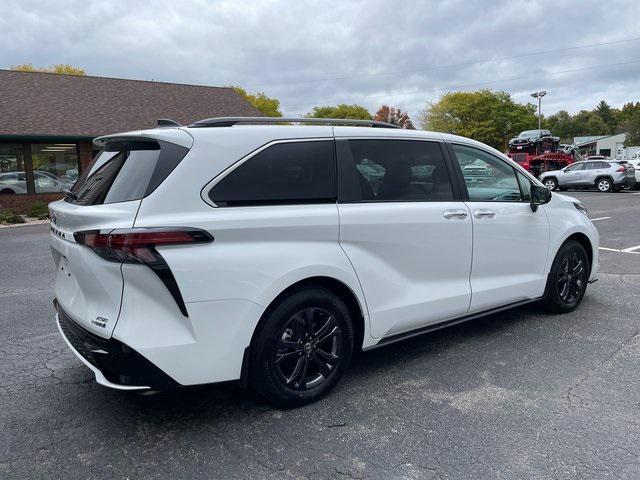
(392, 170)
(525, 186)
(574, 168)
(488, 178)
(284, 173)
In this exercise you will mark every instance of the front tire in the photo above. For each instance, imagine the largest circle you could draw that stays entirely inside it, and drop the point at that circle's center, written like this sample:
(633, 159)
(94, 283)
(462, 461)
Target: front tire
(567, 280)
(302, 348)
(551, 183)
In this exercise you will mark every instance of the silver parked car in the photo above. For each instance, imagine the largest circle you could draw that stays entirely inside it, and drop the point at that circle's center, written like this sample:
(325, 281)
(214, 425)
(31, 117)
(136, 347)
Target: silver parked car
(604, 175)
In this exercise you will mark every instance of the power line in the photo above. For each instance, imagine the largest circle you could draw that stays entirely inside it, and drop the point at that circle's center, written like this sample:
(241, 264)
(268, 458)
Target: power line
(468, 85)
(440, 67)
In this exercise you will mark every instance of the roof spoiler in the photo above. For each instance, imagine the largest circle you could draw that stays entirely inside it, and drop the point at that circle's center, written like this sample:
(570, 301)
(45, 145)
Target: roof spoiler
(231, 121)
(167, 122)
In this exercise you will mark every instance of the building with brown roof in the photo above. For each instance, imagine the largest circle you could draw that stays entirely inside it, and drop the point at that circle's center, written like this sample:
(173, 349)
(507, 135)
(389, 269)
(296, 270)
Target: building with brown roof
(48, 121)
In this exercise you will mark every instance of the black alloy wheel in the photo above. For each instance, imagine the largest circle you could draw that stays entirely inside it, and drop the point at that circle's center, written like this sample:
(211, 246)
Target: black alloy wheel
(571, 278)
(568, 278)
(301, 347)
(309, 349)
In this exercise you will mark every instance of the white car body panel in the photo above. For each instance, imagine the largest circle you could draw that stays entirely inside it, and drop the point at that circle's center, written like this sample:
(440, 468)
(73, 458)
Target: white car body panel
(88, 287)
(413, 273)
(509, 254)
(406, 265)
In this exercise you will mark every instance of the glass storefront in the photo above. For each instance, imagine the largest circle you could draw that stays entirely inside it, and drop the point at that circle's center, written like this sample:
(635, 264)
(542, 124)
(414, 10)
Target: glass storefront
(12, 168)
(53, 167)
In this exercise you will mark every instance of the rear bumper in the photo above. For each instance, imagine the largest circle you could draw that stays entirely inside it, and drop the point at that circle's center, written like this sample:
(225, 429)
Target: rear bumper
(625, 182)
(114, 364)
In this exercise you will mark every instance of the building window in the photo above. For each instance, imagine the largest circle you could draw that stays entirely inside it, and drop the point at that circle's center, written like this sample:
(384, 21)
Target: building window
(37, 167)
(55, 166)
(12, 168)
(605, 152)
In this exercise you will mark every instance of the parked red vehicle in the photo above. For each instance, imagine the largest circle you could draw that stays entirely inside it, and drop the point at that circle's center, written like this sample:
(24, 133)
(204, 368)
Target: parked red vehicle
(537, 164)
(538, 151)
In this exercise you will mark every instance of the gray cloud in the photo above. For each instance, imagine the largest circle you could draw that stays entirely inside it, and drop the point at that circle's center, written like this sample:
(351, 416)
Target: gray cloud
(319, 53)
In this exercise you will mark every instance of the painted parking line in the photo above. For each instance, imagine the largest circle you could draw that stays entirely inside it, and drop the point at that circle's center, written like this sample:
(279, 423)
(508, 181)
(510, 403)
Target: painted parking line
(599, 218)
(626, 250)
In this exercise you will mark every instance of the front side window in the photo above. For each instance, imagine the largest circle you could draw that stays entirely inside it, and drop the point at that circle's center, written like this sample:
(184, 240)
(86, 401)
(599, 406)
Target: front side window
(283, 173)
(393, 171)
(488, 178)
(525, 186)
(575, 167)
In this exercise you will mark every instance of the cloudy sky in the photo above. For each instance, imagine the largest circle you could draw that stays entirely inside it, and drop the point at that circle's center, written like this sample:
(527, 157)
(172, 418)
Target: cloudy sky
(308, 53)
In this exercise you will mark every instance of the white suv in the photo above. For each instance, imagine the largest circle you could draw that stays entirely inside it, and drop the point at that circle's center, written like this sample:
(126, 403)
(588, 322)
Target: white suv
(270, 253)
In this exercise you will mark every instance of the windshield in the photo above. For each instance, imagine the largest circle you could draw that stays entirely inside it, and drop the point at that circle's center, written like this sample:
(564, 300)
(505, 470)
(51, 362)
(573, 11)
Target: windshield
(529, 134)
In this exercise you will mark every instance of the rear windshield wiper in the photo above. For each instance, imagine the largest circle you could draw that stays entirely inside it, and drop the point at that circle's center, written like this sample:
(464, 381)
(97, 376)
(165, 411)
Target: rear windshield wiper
(70, 194)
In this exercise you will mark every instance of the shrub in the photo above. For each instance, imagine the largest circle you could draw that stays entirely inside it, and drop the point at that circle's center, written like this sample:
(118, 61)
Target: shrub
(38, 210)
(8, 217)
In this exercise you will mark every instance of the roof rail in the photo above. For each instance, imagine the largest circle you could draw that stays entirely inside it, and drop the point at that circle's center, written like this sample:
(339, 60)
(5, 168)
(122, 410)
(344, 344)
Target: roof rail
(230, 121)
(167, 122)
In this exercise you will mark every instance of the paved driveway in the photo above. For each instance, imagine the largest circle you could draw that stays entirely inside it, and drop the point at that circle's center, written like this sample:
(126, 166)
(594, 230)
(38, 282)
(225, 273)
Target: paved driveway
(519, 394)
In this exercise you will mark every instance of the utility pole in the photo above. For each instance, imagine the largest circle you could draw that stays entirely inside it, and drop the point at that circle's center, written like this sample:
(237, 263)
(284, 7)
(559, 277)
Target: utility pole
(539, 96)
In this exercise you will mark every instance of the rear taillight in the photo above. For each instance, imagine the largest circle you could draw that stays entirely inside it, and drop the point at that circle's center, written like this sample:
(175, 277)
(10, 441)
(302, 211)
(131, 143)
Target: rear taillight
(621, 169)
(138, 245)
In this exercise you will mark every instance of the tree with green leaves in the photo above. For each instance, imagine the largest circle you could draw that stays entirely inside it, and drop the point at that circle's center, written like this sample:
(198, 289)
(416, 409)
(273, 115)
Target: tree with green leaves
(61, 69)
(610, 116)
(343, 110)
(270, 107)
(633, 131)
(394, 116)
(484, 115)
(628, 111)
(561, 125)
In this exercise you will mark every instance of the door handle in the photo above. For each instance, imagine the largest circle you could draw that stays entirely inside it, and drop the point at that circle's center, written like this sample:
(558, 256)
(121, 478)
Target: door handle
(484, 213)
(448, 214)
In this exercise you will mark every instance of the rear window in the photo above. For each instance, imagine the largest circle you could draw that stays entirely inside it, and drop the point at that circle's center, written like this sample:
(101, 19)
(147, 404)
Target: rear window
(126, 170)
(284, 173)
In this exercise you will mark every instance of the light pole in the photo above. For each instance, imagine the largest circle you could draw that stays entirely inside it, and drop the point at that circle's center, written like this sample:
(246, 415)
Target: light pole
(539, 96)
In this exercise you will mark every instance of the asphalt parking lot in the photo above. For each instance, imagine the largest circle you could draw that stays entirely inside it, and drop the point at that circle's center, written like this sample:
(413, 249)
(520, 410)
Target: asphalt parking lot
(520, 394)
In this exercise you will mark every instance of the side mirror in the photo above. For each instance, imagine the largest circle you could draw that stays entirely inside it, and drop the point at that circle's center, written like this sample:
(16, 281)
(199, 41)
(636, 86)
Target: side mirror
(539, 196)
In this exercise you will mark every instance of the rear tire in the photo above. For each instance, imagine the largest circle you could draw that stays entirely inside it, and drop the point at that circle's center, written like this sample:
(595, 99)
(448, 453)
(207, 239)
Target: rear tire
(302, 347)
(604, 184)
(551, 183)
(568, 278)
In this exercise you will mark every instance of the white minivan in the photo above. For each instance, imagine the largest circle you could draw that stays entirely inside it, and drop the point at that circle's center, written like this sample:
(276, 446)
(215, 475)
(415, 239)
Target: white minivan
(239, 249)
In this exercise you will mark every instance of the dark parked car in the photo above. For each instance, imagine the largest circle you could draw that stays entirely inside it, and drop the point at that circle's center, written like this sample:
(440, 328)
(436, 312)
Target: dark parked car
(534, 141)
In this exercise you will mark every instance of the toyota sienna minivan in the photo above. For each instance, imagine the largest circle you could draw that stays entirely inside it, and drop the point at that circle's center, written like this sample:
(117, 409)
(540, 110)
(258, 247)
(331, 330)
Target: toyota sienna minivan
(239, 249)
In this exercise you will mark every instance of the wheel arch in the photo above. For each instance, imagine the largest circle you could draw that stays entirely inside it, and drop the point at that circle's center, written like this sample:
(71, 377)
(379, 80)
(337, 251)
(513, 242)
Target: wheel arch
(605, 177)
(583, 240)
(338, 288)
